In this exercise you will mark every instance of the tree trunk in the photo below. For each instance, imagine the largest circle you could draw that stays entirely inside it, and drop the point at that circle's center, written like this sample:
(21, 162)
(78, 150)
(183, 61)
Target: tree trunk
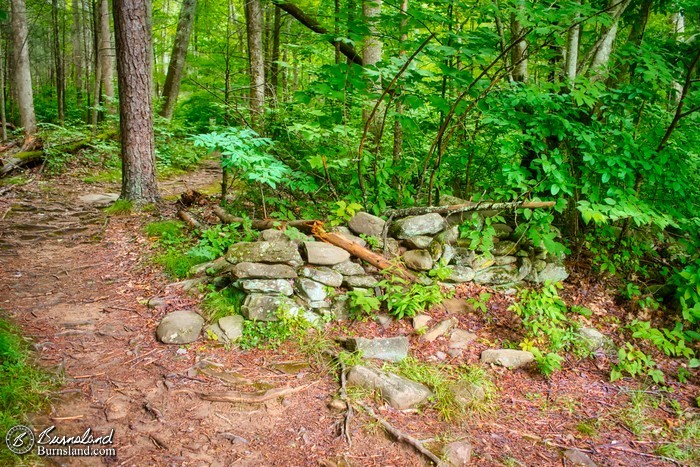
(134, 72)
(603, 47)
(3, 117)
(58, 62)
(77, 54)
(398, 128)
(171, 88)
(22, 72)
(518, 52)
(275, 57)
(256, 63)
(679, 31)
(572, 45)
(105, 57)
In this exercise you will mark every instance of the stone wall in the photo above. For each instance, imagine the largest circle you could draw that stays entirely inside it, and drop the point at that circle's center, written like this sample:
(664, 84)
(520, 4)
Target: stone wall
(309, 277)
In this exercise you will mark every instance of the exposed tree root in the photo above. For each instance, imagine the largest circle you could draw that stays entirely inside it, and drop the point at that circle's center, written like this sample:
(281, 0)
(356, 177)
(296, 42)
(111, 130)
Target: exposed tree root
(251, 398)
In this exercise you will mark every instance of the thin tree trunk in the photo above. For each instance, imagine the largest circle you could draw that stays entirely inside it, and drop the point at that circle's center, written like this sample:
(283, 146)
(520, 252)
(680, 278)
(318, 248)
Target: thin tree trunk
(134, 72)
(518, 52)
(3, 117)
(58, 62)
(171, 88)
(22, 71)
(679, 32)
(398, 128)
(97, 83)
(572, 45)
(275, 57)
(256, 63)
(604, 45)
(77, 54)
(105, 57)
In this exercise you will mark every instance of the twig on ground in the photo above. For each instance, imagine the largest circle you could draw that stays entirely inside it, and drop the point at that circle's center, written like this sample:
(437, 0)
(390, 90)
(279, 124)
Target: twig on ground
(400, 435)
(639, 453)
(254, 398)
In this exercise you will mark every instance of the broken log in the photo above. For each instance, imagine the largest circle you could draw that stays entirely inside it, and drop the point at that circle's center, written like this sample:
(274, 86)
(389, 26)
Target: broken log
(189, 219)
(32, 155)
(467, 207)
(361, 252)
(262, 224)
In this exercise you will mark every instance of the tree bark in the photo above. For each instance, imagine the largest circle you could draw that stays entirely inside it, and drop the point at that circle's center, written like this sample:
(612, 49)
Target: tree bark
(275, 56)
(171, 88)
(603, 47)
(105, 57)
(77, 53)
(518, 52)
(572, 45)
(398, 127)
(22, 71)
(256, 62)
(134, 68)
(3, 117)
(58, 63)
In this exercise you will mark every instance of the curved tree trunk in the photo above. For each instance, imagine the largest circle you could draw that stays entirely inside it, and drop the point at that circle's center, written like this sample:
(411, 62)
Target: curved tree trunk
(77, 53)
(254, 23)
(134, 72)
(22, 75)
(171, 88)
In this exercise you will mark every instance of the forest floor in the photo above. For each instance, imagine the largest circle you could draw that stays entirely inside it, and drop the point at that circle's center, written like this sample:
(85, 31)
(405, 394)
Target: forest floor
(75, 280)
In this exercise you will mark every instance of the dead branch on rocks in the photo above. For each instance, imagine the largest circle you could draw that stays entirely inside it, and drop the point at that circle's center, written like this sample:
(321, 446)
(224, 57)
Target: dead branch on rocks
(261, 224)
(361, 252)
(400, 435)
(455, 208)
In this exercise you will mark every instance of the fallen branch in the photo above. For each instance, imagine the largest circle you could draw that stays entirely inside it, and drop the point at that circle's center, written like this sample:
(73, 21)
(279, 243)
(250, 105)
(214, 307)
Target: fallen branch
(400, 435)
(251, 398)
(361, 252)
(345, 427)
(455, 208)
(639, 453)
(261, 224)
(189, 219)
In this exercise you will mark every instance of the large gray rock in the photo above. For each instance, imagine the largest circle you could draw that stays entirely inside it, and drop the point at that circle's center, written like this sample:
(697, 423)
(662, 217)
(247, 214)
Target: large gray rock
(448, 253)
(577, 457)
(427, 224)
(232, 327)
(525, 268)
(264, 252)
(270, 286)
(468, 394)
(448, 236)
(365, 223)
(461, 274)
(348, 235)
(419, 242)
(99, 199)
(263, 307)
(552, 272)
(479, 262)
(348, 268)
(497, 275)
(311, 290)
(392, 349)
(457, 454)
(508, 358)
(325, 254)
(180, 327)
(323, 275)
(593, 338)
(460, 339)
(502, 230)
(419, 260)
(399, 392)
(504, 247)
(272, 235)
(363, 282)
(340, 309)
(263, 271)
(440, 329)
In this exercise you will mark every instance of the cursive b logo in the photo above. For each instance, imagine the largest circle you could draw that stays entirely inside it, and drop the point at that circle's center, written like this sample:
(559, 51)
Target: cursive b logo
(20, 439)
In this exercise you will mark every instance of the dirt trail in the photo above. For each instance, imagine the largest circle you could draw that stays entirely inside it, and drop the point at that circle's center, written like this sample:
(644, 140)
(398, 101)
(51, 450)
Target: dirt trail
(74, 280)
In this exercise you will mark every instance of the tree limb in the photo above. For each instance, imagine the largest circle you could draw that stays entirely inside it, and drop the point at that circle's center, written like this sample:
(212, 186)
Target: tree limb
(455, 208)
(344, 48)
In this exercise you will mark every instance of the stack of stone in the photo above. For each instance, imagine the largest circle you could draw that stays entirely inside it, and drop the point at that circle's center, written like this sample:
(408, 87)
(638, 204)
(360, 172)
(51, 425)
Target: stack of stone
(274, 275)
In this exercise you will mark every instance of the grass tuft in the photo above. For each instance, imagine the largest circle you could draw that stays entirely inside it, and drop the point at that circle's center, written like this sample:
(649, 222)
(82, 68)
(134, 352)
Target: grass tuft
(121, 207)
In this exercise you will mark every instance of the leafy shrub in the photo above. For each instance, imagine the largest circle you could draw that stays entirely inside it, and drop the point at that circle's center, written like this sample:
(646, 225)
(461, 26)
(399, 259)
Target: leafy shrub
(215, 241)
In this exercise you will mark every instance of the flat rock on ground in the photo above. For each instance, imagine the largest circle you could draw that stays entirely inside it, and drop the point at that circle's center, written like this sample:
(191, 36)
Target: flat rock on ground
(180, 327)
(392, 349)
(509, 358)
(248, 270)
(401, 393)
